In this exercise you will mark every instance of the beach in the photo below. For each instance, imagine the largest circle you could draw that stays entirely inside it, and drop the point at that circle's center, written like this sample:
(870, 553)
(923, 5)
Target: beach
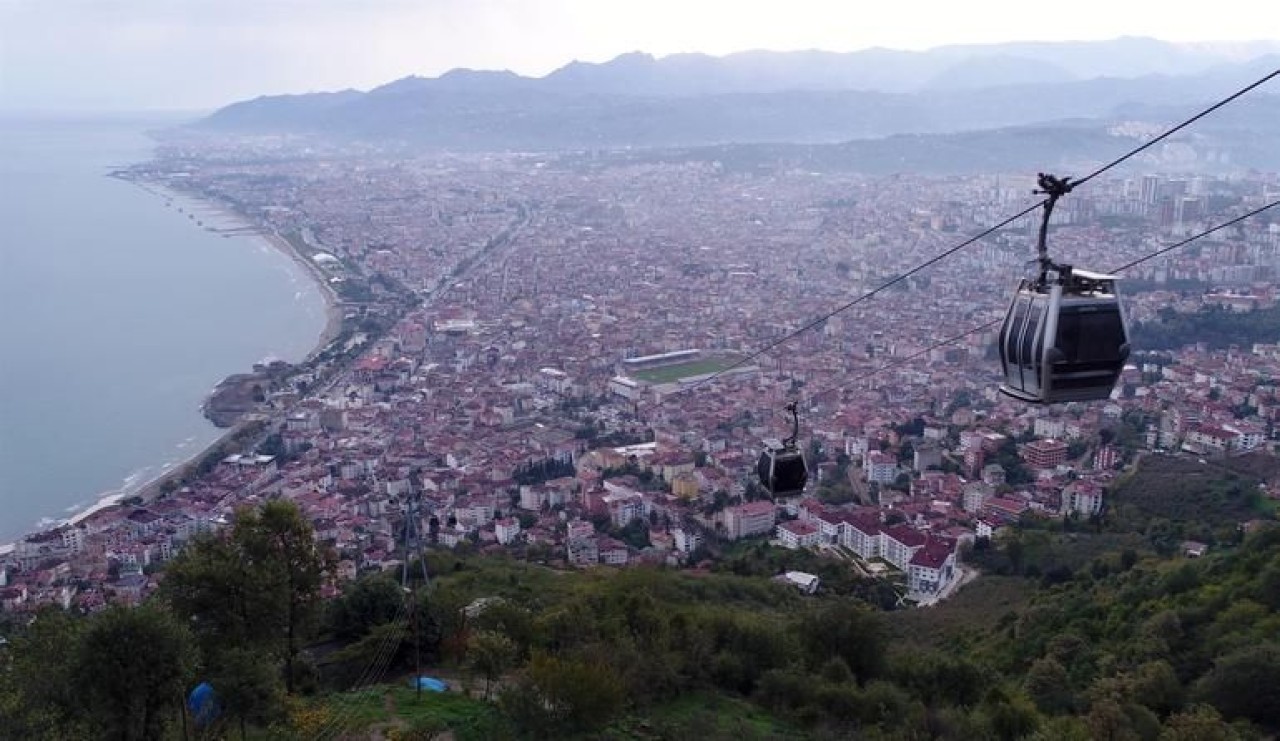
(221, 218)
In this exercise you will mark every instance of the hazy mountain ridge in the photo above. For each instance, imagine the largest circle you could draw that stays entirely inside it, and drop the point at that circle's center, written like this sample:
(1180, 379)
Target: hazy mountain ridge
(759, 97)
(1232, 141)
(881, 70)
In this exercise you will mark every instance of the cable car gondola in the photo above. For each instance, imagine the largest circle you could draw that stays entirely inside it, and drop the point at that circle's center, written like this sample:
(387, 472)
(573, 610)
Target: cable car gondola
(1064, 337)
(781, 467)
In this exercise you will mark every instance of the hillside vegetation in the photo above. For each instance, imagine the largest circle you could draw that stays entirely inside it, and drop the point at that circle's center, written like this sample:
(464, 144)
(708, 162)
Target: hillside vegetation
(1093, 635)
(1218, 328)
(1175, 498)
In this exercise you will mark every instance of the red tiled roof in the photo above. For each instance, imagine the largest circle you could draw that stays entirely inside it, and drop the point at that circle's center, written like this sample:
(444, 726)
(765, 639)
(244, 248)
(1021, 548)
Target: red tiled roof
(906, 536)
(932, 555)
(756, 508)
(796, 527)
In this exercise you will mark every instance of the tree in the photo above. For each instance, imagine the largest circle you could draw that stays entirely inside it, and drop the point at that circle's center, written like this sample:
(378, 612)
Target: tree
(1155, 685)
(259, 587)
(364, 605)
(38, 684)
(490, 653)
(635, 534)
(1198, 723)
(1242, 685)
(132, 666)
(557, 697)
(218, 591)
(1049, 687)
(1108, 720)
(850, 633)
(247, 687)
(295, 567)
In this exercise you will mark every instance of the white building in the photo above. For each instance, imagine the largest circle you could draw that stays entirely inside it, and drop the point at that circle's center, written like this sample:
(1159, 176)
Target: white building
(613, 552)
(862, 536)
(624, 507)
(627, 388)
(686, 541)
(807, 583)
(506, 529)
(881, 468)
(931, 569)
(1050, 427)
(554, 380)
(746, 520)
(796, 534)
(976, 495)
(581, 548)
(1082, 497)
(900, 544)
(1248, 436)
(532, 498)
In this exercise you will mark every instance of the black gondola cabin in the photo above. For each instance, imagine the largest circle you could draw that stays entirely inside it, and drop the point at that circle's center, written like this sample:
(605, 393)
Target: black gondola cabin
(782, 469)
(1064, 338)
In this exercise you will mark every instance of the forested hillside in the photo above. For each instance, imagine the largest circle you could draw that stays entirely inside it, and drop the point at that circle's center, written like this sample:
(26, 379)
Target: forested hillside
(1217, 327)
(1094, 636)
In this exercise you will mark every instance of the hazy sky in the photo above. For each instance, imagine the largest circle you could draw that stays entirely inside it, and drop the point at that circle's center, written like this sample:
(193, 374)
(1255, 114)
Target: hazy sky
(184, 54)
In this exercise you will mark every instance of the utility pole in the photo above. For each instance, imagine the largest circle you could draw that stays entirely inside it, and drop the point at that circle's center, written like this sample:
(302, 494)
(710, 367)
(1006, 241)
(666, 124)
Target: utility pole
(413, 543)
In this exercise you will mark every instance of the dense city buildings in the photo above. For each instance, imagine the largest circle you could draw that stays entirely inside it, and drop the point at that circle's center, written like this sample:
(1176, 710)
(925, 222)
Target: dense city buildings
(558, 356)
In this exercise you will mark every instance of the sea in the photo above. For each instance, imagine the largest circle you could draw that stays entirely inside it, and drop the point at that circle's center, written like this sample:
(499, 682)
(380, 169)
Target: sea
(118, 315)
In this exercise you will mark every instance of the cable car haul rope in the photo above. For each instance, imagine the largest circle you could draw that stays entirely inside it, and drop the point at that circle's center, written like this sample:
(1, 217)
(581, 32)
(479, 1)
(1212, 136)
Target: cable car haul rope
(1064, 338)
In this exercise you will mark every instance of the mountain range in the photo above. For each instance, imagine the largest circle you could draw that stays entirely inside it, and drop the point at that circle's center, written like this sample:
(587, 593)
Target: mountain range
(813, 97)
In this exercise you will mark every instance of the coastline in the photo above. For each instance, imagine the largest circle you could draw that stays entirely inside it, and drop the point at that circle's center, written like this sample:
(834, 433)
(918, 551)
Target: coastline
(232, 223)
(241, 226)
(237, 224)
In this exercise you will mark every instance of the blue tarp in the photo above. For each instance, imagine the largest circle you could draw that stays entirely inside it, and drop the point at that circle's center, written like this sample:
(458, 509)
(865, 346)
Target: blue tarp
(431, 683)
(203, 704)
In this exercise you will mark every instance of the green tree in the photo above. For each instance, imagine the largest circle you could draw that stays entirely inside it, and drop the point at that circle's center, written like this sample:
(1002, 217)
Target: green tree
(1049, 687)
(852, 633)
(367, 603)
(1242, 685)
(1011, 717)
(1198, 723)
(219, 592)
(281, 541)
(490, 653)
(247, 687)
(258, 587)
(39, 695)
(1156, 686)
(563, 696)
(132, 666)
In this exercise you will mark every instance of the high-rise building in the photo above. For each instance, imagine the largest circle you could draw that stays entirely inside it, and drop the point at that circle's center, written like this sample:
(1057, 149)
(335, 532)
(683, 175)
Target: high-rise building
(1150, 190)
(1045, 454)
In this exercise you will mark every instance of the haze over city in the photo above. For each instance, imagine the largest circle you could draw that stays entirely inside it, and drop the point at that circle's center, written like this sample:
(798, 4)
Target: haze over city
(639, 370)
(153, 54)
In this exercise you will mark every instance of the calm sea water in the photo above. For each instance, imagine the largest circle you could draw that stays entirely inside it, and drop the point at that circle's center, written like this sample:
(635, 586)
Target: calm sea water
(117, 316)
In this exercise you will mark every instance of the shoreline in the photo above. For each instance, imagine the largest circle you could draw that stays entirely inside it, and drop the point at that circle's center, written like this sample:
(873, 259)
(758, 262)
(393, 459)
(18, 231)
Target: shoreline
(240, 225)
(243, 226)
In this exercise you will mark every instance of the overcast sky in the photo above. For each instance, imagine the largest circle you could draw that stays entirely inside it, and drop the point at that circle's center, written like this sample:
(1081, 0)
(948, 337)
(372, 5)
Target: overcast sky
(198, 54)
